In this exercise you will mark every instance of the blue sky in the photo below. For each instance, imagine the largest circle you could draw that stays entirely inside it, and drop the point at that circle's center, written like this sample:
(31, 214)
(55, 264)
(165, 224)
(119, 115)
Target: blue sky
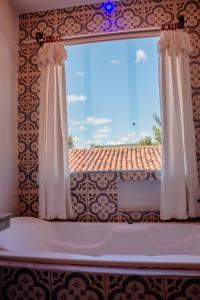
(110, 86)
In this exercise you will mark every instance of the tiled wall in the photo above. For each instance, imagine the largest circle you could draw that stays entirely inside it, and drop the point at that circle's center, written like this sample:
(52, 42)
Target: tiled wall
(95, 197)
(8, 108)
(54, 283)
(89, 200)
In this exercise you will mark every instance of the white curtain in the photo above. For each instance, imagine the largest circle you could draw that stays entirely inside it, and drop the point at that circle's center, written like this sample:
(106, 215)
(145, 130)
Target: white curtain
(179, 180)
(54, 177)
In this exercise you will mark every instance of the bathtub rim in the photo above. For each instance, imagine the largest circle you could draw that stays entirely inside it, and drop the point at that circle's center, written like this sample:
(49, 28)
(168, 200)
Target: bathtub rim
(178, 262)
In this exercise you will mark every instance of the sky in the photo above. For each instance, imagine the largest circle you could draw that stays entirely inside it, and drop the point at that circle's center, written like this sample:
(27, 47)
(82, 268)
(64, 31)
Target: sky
(112, 91)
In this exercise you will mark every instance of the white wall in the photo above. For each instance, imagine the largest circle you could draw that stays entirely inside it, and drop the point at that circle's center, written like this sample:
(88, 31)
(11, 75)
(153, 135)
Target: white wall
(8, 107)
(139, 194)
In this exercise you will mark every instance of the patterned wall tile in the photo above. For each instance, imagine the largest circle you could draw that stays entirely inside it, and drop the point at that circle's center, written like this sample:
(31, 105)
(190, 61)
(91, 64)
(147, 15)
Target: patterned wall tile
(25, 284)
(101, 182)
(121, 287)
(157, 14)
(102, 196)
(198, 165)
(33, 48)
(23, 59)
(96, 20)
(97, 191)
(23, 28)
(22, 282)
(44, 23)
(69, 21)
(195, 42)
(191, 12)
(196, 106)
(28, 187)
(102, 207)
(134, 6)
(197, 135)
(81, 286)
(195, 74)
(133, 216)
(128, 19)
(134, 175)
(78, 184)
(156, 216)
(23, 203)
(184, 288)
(34, 86)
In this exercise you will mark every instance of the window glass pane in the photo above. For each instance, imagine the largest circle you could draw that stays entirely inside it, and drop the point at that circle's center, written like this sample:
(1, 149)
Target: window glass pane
(112, 93)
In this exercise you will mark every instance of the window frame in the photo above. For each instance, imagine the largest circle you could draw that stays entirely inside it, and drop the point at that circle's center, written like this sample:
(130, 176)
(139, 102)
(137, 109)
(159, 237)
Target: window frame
(113, 36)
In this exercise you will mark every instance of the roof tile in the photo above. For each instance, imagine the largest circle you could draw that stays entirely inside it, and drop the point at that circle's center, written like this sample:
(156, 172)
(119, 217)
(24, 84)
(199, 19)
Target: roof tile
(116, 158)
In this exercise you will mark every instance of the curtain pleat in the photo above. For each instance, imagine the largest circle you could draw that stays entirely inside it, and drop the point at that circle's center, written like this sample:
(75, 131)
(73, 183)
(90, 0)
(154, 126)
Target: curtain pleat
(179, 180)
(54, 175)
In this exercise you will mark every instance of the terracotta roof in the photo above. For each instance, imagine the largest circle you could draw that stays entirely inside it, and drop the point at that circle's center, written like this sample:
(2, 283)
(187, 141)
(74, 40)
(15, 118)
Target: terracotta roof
(116, 158)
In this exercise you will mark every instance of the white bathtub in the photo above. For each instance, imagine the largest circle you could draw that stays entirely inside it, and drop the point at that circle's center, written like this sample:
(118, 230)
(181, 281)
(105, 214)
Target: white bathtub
(158, 245)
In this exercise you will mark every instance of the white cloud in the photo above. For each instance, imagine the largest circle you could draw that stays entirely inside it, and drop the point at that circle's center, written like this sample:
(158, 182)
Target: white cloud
(74, 122)
(81, 128)
(93, 141)
(76, 98)
(140, 56)
(99, 136)
(103, 130)
(114, 61)
(80, 74)
(130, 138)
(97, 121)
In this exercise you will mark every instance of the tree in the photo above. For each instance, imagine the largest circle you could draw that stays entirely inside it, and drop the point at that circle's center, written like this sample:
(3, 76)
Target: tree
(145, 141)
(71, 142)
(157, 129)
(95, 146)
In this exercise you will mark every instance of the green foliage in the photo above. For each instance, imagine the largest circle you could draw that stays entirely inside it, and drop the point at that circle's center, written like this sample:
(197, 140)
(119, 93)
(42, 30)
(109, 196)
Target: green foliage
(157, 130)
(95, 146)
(145, 141)
(71, 142)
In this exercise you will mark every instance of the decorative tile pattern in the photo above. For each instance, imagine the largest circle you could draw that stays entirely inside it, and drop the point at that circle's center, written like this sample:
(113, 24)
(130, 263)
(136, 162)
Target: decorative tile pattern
(136, 216)
(104, 182)
(25, 284)
(197, 135)
(135, 287)
(96, 20)
(102, 196)
(195, 74)
(191, 12)
(182, 288)
(196, 106)
(69, 21)
(102, 207)
(20, 281)
(4, 221)
(94, 196)
(81, 286)
(159, 14)
(79, 196)
(128, 20)
(135, 175)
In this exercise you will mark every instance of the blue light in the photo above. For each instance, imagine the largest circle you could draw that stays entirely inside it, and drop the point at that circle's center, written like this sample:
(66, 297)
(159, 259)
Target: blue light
(108, 6)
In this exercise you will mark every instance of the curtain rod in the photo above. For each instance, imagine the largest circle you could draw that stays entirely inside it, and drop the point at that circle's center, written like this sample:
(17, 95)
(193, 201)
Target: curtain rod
(41, 39)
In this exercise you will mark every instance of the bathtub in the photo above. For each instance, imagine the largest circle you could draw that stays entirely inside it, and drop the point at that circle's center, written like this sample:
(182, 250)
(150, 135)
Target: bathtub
(149, 245)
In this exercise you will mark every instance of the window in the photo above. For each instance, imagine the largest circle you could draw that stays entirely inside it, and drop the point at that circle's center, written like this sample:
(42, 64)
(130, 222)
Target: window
(113, 105)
